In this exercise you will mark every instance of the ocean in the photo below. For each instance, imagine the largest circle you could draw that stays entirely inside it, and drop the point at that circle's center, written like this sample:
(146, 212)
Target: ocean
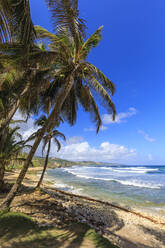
(140, 186)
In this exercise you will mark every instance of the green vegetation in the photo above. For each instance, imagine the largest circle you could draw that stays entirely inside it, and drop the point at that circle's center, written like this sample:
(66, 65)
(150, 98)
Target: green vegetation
(98, 240)
(55, 163)
(11, 151)
(19, 230)
(44, 72)
(16, 222)
(30, 84)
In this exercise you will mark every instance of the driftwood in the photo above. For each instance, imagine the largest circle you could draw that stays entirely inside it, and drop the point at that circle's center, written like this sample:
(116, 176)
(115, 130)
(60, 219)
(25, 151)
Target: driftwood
(104, 203)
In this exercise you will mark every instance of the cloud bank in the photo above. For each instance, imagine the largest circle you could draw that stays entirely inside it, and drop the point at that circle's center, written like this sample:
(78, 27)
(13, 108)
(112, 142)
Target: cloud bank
(106, 152)
(121, 117)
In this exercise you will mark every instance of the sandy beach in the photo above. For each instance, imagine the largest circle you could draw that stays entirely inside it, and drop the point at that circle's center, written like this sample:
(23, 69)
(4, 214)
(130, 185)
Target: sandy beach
(124, 227)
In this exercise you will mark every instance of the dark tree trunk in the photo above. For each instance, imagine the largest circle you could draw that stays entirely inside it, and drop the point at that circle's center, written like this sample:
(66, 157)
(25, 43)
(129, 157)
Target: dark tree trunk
(3, 136)
(6, 121)
(10, 115)
(54, 115)
(45, 165)
(2, 173)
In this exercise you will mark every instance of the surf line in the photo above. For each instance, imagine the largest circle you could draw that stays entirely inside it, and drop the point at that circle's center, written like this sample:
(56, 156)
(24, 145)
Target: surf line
(99, 201)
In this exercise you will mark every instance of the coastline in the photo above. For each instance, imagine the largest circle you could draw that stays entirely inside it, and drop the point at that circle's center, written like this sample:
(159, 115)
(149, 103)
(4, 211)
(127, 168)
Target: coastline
(114, 222)
(118, 191)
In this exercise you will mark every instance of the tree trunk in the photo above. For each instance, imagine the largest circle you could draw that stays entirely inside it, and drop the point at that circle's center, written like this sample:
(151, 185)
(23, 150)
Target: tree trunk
(2, 173)
(54, 115)
(13, 109)
(10, 115)
(45, 165)
(4, 123)
(3, 136)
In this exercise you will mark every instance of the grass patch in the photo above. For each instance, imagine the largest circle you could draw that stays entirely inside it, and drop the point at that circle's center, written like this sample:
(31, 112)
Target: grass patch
(99, 241)
(19, 230)
(15, 224)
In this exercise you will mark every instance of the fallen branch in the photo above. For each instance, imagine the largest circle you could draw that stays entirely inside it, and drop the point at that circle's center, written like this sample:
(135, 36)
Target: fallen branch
(103, 202)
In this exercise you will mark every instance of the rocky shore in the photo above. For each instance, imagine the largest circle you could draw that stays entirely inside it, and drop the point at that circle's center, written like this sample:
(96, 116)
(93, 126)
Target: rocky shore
(123, 227)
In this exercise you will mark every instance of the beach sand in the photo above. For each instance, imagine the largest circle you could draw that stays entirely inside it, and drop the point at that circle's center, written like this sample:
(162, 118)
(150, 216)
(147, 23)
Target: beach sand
(124, 227)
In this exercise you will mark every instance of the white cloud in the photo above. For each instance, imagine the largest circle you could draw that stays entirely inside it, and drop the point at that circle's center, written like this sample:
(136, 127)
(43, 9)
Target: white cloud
(103, 128)
(26, 129)
(121, 117)
(92, 129)
(74, 140)
(106, 152)
(78, 149)
(146, 136)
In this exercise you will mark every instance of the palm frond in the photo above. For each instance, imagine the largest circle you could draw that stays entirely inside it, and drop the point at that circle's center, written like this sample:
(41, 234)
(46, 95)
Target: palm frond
(5, 34)
(69, 108)
(107, 101)
(31, 137)
(45, 142)
(23, 28)
(58, 144)
(18, 135)
(91, 42)
(65, 14)
(56, 133)
(17, 121)
(87, 101)
(56, 43)
(99, 75)
(43, 33)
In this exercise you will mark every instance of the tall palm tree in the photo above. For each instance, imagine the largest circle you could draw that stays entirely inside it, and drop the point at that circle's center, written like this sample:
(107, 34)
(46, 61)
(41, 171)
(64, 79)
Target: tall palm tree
(20, 78)
(12, 148)
(51, 134)
(16, 31)
(21, 86)
(72, 72)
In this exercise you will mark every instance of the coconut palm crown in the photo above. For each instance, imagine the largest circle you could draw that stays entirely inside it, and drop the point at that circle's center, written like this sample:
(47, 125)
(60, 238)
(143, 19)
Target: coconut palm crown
(88, 80)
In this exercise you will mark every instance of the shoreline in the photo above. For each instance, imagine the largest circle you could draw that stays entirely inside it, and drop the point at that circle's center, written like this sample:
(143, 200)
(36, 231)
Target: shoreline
(143, 211)
(114, 222)
(128, 202)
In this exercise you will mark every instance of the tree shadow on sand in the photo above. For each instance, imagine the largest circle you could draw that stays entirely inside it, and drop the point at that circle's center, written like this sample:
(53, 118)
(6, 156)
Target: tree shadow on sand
(18, 230)
(60, 229)
(159, 235)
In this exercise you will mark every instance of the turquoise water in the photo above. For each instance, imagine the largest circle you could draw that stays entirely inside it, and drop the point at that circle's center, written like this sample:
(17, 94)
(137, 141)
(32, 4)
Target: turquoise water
(130, 185)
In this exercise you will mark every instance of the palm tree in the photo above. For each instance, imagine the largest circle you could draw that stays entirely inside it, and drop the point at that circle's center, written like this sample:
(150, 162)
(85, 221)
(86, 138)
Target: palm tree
(16, 33)
(11, 150)
(4, 18)
(72, 73)
(47, 139)
(21, 86)
(16, 22)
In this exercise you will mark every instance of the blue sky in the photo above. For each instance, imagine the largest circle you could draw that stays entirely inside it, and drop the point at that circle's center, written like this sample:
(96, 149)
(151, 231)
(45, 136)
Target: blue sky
(132, 55)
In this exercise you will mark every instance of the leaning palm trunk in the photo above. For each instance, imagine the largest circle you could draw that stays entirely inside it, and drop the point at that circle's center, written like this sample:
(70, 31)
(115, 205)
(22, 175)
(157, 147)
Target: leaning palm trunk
(5, 122)
(53, 116)
(2, 173)
(13, 109)
(3, 135)
(45, 165)
(10, 115)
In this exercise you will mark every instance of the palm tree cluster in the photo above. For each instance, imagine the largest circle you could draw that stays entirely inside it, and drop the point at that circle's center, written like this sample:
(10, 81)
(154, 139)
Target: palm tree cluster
(48, 72)
(12, 149)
